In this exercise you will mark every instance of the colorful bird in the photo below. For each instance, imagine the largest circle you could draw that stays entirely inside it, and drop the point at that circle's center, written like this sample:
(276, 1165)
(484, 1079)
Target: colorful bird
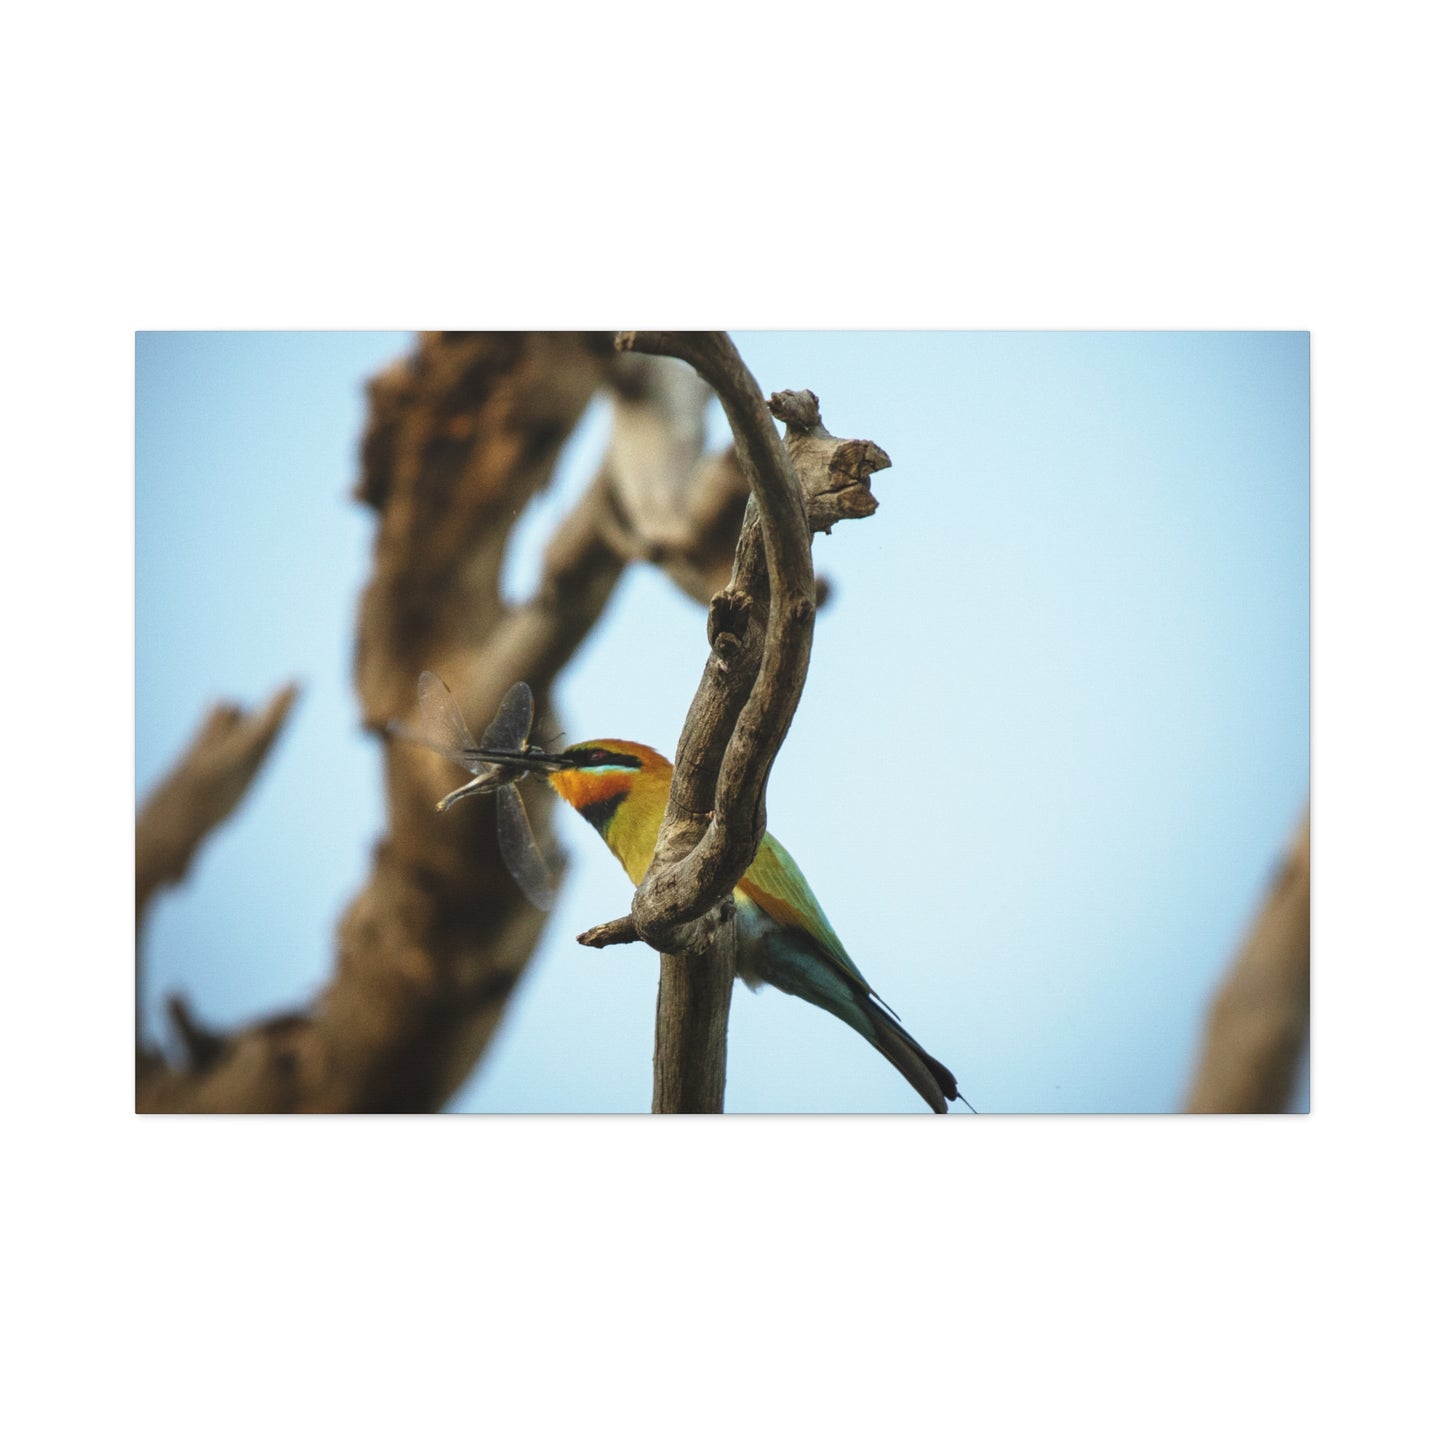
(784, 938)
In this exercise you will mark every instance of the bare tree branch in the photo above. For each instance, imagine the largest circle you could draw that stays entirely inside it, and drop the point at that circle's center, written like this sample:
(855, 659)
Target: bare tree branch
(694, 996)
(1260, 1016)
(716, 814)
(760, 630)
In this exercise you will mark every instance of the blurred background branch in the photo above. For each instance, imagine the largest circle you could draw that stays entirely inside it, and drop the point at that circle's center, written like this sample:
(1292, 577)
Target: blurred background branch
(461, 435)
(201, 791)
(196, 796)
(1260, 1017)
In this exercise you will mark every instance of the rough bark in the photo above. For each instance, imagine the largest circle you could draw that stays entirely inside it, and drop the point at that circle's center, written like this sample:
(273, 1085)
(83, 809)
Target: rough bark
(694, 996)
(716, 813)
(461, 435)
(760, 631)
(1260, 1017)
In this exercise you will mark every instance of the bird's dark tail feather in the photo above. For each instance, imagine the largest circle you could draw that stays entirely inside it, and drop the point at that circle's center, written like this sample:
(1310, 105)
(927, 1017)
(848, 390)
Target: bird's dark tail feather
(934, 1082)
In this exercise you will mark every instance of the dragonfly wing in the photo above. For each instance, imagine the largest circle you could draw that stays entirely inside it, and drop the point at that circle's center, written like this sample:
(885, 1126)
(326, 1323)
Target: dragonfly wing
(443, 727)
(507, 732)
(519, 849)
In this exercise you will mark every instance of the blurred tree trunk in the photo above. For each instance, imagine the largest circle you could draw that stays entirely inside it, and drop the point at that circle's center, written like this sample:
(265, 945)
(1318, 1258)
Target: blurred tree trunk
(461, 435)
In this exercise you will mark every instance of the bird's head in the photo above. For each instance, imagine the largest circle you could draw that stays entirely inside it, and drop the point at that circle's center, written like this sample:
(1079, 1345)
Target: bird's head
(596, 776)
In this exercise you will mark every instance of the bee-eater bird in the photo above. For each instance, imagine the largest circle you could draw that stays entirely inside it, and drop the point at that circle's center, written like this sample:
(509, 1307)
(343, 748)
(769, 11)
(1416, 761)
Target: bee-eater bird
(783, 936)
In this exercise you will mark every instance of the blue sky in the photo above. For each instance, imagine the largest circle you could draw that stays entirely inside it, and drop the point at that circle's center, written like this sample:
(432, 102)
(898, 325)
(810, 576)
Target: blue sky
(1055, 732)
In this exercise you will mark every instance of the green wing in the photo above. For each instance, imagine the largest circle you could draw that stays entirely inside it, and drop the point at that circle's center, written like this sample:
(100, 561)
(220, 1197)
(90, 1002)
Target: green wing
(776, 884)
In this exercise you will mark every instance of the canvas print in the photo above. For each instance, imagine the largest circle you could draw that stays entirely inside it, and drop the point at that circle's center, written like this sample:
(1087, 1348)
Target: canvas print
(809, 722)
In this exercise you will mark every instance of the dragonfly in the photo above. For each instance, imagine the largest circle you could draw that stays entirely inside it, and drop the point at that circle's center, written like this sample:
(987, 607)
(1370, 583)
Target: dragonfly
(444, 731)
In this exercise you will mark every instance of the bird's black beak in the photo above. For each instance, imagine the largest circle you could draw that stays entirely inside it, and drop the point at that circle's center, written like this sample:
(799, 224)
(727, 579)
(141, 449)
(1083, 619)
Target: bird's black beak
(533, 760)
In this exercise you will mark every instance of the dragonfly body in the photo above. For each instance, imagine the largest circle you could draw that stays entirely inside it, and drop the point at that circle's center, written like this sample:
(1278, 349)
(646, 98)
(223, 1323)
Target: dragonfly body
(445, 731)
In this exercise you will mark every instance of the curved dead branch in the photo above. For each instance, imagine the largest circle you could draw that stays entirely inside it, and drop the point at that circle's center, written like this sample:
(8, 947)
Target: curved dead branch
(716, 814)
(760, 631)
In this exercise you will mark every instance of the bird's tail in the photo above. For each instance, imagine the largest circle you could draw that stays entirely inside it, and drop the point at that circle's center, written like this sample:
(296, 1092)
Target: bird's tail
(934, 1082)
(794, 961)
